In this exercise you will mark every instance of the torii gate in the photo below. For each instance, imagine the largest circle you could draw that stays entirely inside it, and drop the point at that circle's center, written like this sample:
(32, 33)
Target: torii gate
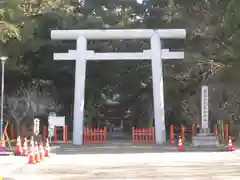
(155, 54)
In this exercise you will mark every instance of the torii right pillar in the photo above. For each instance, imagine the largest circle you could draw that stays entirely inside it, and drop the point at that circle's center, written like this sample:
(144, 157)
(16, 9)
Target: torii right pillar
(157, 81)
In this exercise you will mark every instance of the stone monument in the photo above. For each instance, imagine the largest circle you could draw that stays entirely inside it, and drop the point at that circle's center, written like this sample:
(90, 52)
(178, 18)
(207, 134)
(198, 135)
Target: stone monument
(205, 138)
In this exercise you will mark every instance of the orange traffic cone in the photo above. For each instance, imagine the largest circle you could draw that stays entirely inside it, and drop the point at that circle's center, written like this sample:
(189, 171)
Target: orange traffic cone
(2, 145)
(180, 144)
(18, 147)
(230, 146)
(31, 155)
(25, 147)
(47, 148)
(41, 151)
(37, 156)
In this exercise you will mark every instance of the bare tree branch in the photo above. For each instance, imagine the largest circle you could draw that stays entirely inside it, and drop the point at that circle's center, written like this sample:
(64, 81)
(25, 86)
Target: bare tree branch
(19, 104)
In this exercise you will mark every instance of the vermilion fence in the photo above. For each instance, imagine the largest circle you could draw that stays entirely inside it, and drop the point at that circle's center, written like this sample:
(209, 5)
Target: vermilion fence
(143, 135)
(24, 132)
(94, 135)
(173, 134)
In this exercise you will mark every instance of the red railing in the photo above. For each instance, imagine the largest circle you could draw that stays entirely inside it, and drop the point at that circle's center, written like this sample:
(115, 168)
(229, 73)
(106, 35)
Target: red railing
(143, 135)
(181, 133)
(95, 135)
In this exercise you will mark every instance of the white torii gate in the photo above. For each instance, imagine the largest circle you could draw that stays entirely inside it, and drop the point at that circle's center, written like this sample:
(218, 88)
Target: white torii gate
(155, 54)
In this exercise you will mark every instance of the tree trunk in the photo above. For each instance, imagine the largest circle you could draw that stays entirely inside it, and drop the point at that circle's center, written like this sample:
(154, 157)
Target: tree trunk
(17, 129)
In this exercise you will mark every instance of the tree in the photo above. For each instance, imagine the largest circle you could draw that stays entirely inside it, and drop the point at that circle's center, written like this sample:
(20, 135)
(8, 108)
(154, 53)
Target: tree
(10, 14)
(19, 106)
(211, 46)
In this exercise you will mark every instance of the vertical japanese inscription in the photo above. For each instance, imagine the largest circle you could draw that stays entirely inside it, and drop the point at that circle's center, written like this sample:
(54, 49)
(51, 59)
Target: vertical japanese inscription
(204, 107)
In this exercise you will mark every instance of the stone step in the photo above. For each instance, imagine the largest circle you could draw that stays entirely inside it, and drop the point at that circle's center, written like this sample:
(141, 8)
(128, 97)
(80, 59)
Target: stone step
(118, 134)
(205, 140)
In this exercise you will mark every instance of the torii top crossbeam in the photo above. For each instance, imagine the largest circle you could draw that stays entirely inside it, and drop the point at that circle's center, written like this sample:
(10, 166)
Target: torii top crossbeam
(120, 33)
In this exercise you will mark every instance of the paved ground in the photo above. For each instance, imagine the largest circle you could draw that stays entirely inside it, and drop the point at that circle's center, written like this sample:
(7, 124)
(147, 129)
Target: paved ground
(10, 163)
(166, 166)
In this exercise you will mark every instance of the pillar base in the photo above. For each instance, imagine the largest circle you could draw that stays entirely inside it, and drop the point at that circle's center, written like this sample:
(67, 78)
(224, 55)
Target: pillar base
(161, 137)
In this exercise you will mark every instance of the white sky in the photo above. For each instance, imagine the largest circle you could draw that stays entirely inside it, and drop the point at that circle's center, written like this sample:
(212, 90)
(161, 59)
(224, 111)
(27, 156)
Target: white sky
(139, 1)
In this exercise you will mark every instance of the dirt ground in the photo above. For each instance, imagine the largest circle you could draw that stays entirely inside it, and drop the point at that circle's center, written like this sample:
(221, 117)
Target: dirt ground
(119, 163)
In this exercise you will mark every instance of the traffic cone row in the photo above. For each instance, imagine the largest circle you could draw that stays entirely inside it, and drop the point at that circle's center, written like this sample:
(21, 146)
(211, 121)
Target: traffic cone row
(37, 153)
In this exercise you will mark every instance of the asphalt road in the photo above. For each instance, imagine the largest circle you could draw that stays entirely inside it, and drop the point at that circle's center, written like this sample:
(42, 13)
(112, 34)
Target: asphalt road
(165, 166)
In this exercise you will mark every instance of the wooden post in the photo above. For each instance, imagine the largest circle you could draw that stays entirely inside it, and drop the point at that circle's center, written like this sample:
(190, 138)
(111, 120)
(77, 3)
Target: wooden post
(105, 135)
(44, 132)
(133, 135)
(194, 130)
(84, 135)
(153, 135)
(65, 134)
(22, 130)
(55, 135)
(226, 136)
(182, 133)
(172, 134)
